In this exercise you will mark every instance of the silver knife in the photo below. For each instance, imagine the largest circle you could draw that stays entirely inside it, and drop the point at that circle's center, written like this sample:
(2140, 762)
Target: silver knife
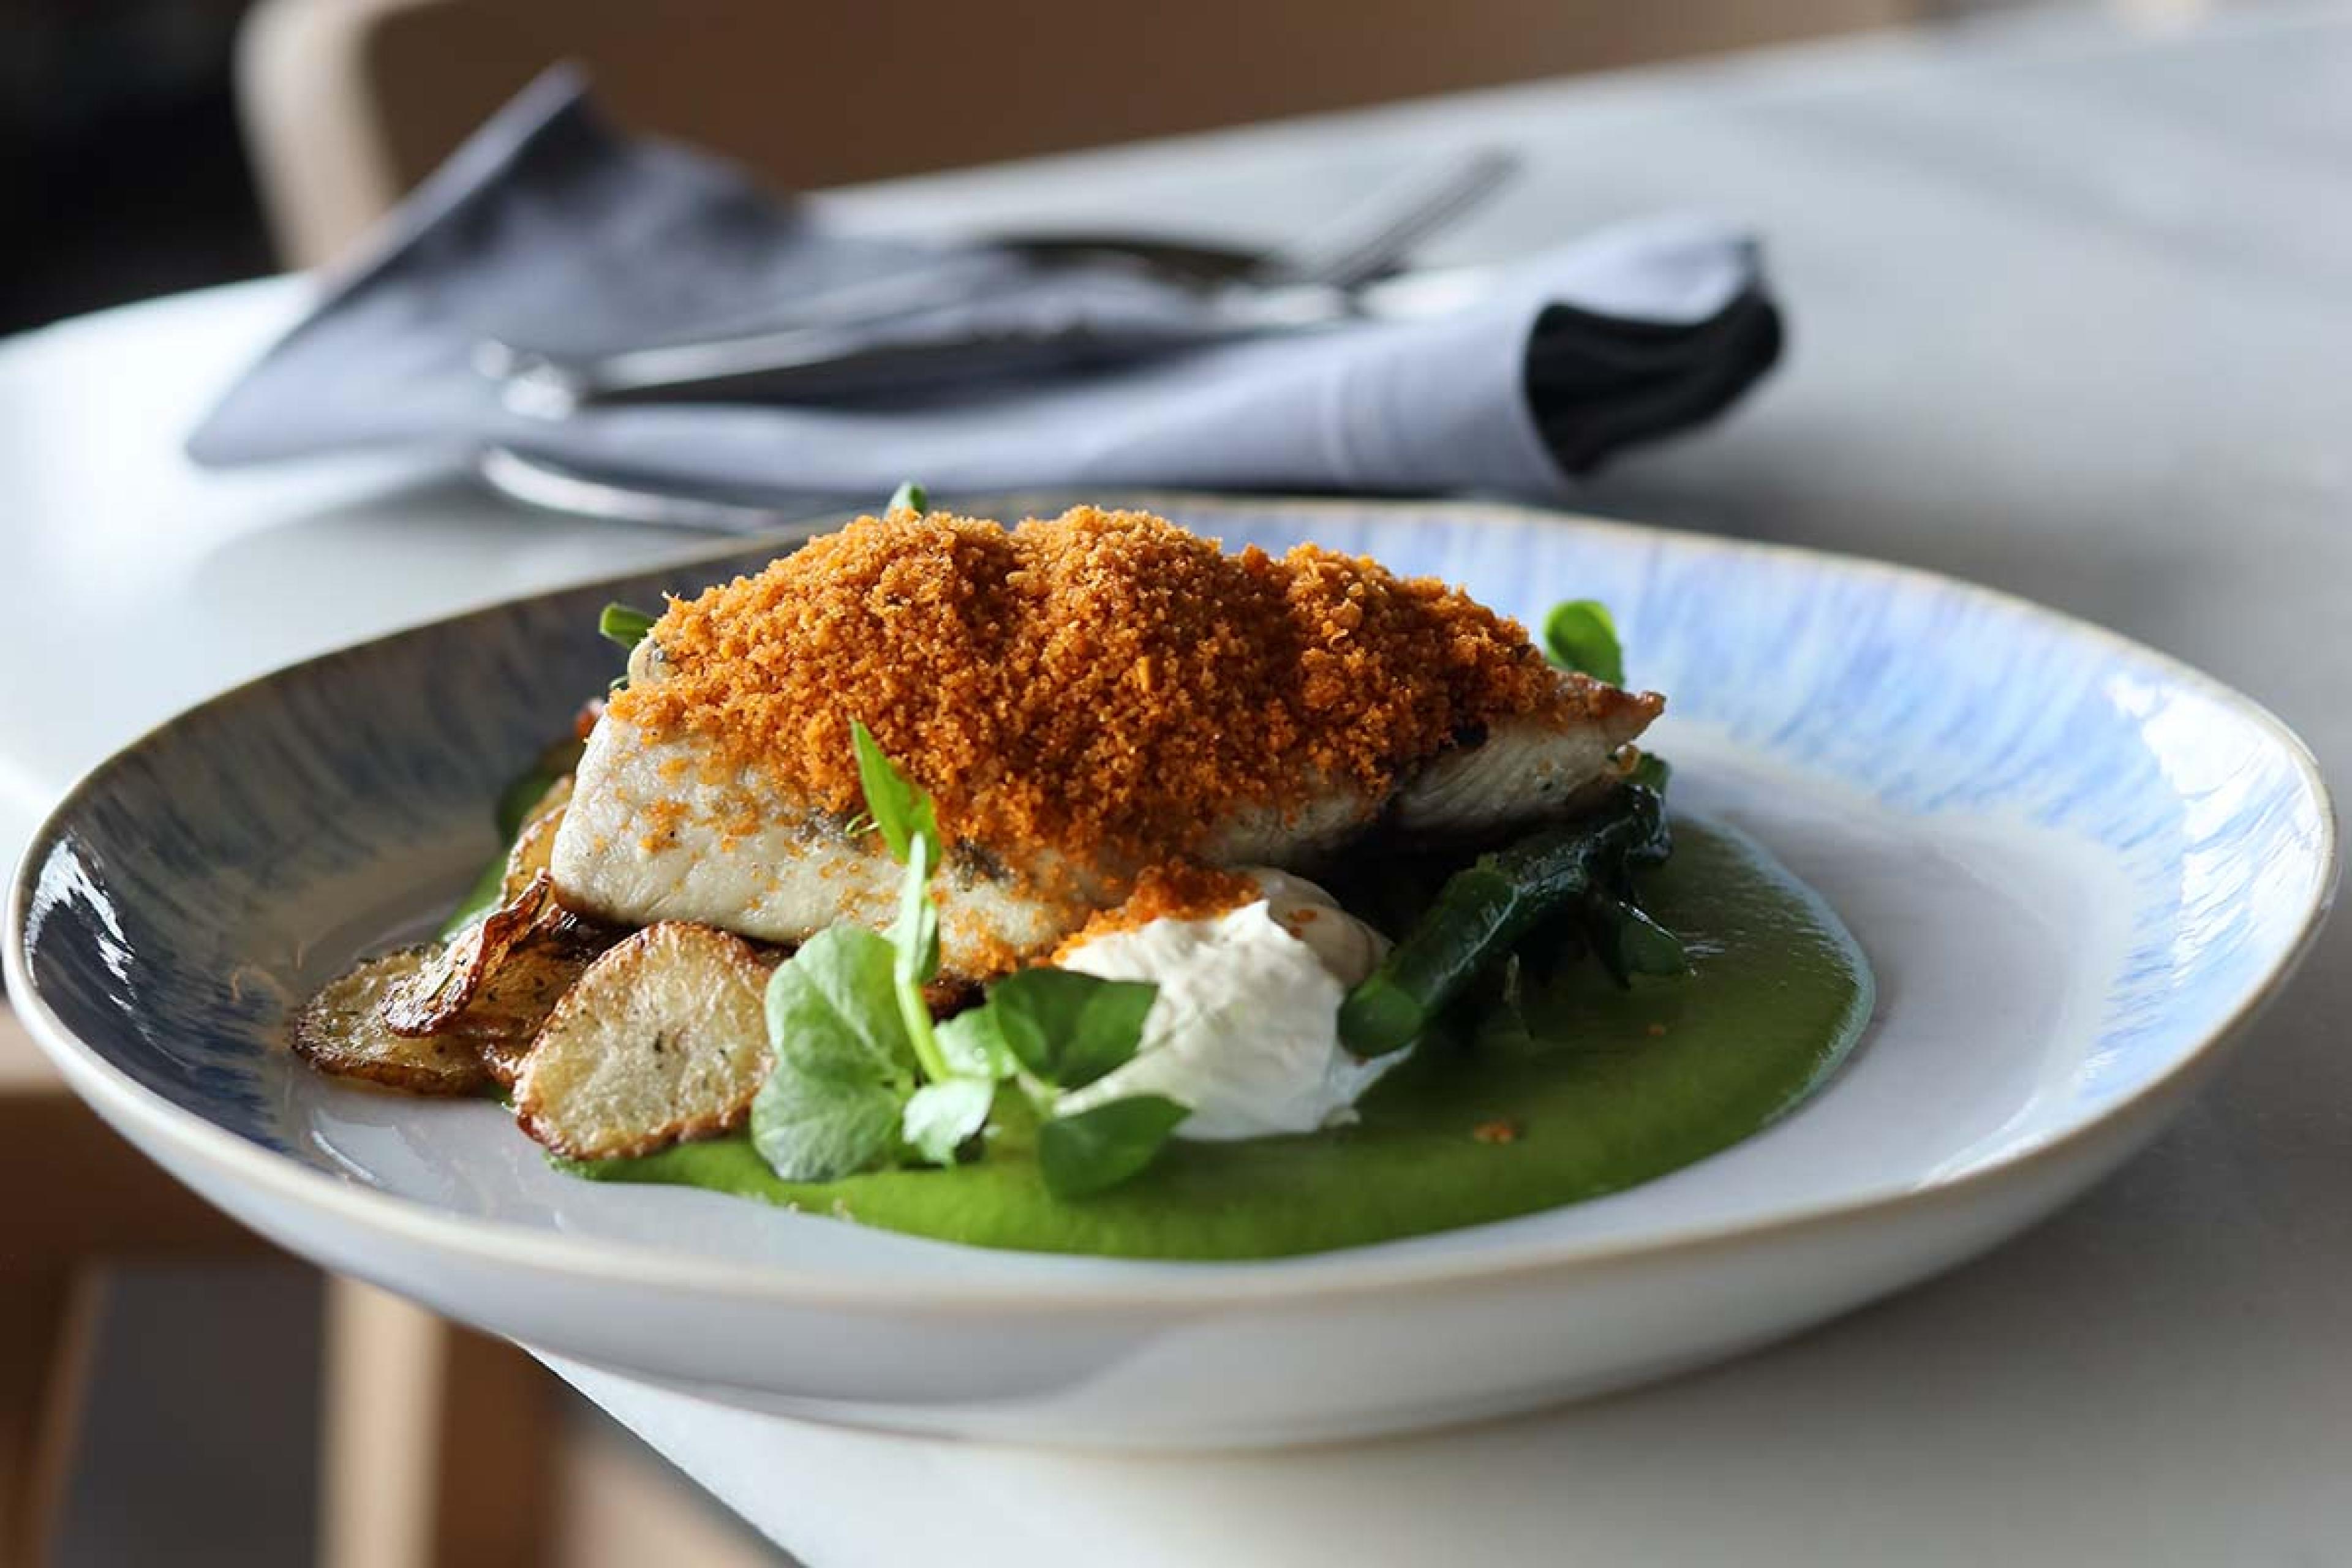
(851, 350)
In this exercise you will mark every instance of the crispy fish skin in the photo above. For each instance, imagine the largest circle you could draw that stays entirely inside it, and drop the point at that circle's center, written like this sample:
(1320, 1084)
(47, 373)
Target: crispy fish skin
(646, 836)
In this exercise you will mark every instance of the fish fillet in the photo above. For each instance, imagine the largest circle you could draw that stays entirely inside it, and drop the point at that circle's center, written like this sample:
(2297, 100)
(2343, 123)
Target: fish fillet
(650, 835)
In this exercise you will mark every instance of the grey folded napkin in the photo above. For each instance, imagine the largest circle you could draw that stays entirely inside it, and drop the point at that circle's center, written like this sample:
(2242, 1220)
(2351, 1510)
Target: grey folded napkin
(549, 230)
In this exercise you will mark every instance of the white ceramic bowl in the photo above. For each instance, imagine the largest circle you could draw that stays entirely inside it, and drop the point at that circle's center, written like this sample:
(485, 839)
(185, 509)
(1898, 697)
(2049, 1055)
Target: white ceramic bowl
(2077, 867)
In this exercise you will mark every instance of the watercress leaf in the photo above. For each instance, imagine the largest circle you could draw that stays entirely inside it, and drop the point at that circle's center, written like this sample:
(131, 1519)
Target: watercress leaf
(941, 1115)
(1653, 772)
(973, 1046)
(836, 1099)
(1653, 840)
(625, 624)
(903, 814)
(1105, 1145)
(909, 497)
(1486, 907)
(1580, 634)
(916, 936)
(900, 807)
(1647, 947)
(1629, 942)
(915, 957)
(818, 1127)
(833, 1008)
(1068, 1028)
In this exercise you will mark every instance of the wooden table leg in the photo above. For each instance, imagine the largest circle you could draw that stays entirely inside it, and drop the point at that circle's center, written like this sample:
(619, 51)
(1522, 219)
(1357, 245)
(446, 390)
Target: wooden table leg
(46, 1341)
(78, 1196)
(439, 1441)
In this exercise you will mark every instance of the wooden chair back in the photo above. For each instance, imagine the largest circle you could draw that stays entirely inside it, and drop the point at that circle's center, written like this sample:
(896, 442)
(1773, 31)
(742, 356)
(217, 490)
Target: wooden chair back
(348, 103)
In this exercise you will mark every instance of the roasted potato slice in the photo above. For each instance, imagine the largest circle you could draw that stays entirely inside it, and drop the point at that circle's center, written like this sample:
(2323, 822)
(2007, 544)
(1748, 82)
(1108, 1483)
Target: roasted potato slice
(342, 1030)
(534, 843)
(429, 1002)
(665, 1037)
(514, 1000)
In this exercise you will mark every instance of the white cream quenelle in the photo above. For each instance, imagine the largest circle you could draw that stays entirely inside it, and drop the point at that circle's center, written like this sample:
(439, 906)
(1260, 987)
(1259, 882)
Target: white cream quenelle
(1246, 1029)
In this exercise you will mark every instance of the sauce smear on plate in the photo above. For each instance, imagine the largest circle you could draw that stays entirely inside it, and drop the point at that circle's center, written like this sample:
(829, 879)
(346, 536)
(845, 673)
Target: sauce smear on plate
(1568, 1091)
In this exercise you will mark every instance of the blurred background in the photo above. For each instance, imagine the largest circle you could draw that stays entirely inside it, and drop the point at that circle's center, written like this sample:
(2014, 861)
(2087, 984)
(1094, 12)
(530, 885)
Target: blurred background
(207, 1401)
(166, 145)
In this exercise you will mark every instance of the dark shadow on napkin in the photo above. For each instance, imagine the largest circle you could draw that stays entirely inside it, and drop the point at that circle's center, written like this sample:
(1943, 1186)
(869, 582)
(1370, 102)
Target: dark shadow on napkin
(549, 230)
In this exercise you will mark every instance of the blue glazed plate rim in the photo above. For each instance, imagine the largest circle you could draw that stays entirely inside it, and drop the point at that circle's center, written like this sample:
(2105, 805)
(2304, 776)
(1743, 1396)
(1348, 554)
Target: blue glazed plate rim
(277, 1175)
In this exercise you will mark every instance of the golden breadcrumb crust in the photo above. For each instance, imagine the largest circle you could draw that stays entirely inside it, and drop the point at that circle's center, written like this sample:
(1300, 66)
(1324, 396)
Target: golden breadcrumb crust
(1101, 680)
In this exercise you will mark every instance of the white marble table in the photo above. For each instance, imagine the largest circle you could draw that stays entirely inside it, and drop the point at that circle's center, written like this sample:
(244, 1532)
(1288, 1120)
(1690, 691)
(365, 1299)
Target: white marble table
(2073, 315)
